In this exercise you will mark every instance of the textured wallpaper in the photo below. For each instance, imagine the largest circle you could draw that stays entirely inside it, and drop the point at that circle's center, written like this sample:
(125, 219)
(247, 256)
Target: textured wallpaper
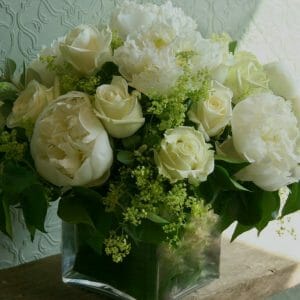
(270, 28)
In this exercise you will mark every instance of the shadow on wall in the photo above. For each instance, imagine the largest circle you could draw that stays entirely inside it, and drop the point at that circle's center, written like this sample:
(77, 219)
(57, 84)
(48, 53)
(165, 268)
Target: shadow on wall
(217, 16)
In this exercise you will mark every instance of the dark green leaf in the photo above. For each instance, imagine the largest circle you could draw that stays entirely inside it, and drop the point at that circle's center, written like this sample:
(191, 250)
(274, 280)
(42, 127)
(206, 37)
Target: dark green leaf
(269, 203)
(8, 92)
(16, 178)
(131, 142)
(71, 209)
(91, 237)
(232, 46)
(150, 232)
(239, 229)
(32, 75)
(5, 218)
(9, 69)
(222, 178)
(23, 76)
(84, 206)
(35, 205)
(293, 202)
(125, 157)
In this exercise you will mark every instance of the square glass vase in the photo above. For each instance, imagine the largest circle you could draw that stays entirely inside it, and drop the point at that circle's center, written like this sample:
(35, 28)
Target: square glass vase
(149, 272)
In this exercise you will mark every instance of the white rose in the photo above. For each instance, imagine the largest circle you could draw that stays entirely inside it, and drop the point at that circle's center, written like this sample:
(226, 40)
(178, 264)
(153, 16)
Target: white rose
(210, 54)
(119, 111)
(246, 76)
(184, 154)
(69, 145)
(265, 132)
(283, 82)
(214, 113)
(146, 68)
(86, 48)
(30, 104)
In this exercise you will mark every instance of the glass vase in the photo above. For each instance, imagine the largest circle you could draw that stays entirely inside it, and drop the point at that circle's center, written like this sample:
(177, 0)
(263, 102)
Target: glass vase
(150, 272)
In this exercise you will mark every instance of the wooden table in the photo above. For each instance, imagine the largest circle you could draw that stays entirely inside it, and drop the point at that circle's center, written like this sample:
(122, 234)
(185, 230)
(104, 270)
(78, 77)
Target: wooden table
(246, 274)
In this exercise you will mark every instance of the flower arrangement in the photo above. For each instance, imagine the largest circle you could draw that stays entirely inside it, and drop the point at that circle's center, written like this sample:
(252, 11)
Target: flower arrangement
(143, 129)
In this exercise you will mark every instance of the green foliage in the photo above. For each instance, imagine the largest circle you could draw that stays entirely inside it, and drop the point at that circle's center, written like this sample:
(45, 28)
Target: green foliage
(9, 69)
(293, 202)
(232, 46)
(19, 185)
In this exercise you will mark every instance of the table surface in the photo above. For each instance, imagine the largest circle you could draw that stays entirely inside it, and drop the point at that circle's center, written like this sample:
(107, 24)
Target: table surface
(246, 274)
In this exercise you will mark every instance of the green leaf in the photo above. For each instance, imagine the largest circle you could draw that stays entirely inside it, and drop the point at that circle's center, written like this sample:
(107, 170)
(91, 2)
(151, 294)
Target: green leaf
(150, 232)
(125, 157)
(91, 237)
(131, 142)
(269, 203)
(16, 178)
(8, 92)
(293, 202)
(239, 229)
(231, 160)
(9, 69)
(23, 76)
(157, 219)
(223, 179)
(32, 75)
(232, 46)
(35, 205)
(72, 210)
(5, 218)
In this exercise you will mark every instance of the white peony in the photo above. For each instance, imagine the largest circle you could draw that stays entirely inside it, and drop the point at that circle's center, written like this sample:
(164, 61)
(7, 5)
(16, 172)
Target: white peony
(86, 48)
(29, 105)
(265, 132)
(70, 147)
(131, 19)
(146, 68)
(214, 113)
(283, 82)
(184, 154)
(119, 111)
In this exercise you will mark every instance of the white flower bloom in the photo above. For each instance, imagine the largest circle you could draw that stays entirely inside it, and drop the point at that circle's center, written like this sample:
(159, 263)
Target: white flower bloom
(29, 105)
(210, 54)
(86, 48)
(69, 145)
(184, 154)
(131, 19)
(214, 113)
(146, 68)
(246, 76)
(283, 82)
(120, 112)
(47, 76)
(265, 132)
